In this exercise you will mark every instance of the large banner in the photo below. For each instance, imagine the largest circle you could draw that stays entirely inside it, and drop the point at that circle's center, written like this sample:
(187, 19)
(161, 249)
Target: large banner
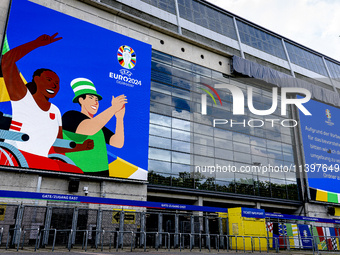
(321, 142)
(74, 97)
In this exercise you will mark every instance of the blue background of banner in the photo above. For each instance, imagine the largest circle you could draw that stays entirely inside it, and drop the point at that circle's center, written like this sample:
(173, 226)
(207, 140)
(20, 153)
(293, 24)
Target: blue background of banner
(86, 51)
(318, 121)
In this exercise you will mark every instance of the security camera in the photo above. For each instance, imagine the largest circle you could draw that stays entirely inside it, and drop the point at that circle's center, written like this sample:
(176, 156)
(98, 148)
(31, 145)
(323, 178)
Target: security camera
(86, 190)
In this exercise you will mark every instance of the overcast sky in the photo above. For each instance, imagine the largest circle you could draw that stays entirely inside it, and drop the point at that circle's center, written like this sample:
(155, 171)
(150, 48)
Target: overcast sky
(312, 23)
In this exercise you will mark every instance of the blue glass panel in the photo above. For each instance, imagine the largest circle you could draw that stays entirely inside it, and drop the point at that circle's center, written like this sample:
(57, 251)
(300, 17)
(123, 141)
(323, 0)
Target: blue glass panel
(159, 166)
(251, 31)
(195, 6)
(160, 98)
(182, 12)
(160, 67)
(161, 77)
(163, 143)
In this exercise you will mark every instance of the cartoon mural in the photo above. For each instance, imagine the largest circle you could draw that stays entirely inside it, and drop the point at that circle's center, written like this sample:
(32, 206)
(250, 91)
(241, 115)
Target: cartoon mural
(42, 127)
(79, 126)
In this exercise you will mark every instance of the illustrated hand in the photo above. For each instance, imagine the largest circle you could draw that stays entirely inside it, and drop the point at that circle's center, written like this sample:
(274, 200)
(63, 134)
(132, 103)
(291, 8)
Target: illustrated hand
(120, 114)
(118, 102)
(87, 145)
(46, 39)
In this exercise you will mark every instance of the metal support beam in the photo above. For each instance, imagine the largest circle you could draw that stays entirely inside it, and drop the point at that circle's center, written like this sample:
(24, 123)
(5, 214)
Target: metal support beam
(238, 38)
(329, 74)
(178, 18)
(288, 58)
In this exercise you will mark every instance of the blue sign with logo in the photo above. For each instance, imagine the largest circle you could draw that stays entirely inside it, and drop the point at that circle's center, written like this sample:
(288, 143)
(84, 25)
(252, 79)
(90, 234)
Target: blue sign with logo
(90, 85)
(253, 213)
(306, 237)
(321, 142)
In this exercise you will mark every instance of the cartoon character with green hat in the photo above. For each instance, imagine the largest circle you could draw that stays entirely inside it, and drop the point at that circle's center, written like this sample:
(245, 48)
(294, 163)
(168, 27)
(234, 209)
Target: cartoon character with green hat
(79, 126)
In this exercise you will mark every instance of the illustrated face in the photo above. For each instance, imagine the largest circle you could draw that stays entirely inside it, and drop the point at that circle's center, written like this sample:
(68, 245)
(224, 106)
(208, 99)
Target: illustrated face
(90, 104)
(47, 84)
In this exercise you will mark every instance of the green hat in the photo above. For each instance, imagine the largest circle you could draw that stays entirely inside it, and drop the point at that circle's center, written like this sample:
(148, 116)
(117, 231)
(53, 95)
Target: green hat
(82, 86)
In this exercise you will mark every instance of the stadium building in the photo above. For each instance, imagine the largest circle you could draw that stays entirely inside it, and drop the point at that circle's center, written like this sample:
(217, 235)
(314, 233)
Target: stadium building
(221, 113)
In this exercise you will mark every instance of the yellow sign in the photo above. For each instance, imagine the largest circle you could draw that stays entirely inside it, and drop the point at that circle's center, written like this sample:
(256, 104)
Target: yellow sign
(2, 211)
(129, 218)
(222, 215)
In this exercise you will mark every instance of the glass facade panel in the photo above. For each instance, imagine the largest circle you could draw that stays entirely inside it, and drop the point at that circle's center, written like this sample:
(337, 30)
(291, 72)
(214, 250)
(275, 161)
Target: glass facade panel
(166, 5)
(260, 40)
(207, 17)
(187, 151)
(306, 59)
(334, 69)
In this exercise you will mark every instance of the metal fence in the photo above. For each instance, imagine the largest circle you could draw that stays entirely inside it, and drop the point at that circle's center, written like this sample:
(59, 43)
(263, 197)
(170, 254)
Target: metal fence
(51, 228)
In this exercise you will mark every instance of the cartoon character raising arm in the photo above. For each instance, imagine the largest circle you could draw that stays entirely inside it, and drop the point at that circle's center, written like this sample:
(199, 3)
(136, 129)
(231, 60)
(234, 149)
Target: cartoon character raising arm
(32, 113)
(78, 126)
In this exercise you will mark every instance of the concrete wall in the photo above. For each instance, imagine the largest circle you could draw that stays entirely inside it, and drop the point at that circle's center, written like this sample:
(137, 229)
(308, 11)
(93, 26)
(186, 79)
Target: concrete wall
(117, 20)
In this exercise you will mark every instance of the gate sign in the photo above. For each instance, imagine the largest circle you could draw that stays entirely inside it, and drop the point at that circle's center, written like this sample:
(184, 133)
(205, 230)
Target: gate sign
(74, 97)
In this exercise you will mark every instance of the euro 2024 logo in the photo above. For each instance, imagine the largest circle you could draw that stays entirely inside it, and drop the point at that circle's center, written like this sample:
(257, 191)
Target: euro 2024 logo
(329, 116)
(126, 57)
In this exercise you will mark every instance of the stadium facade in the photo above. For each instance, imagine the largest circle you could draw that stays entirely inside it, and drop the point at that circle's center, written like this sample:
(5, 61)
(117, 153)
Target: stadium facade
(200, 151)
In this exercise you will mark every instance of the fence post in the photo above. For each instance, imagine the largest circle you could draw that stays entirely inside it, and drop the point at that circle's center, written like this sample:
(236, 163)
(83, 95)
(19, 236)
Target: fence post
(48, 218)
(86, 240)
(18, 222)
(160, 230)
(1, 233)
(74, 225)
(207, 231)
(220, 226)
(69, 244)
(102, 238)
(277, 245)
(54, 238)
(99, 226)
(192, 230)
(23, 240)
(142, 229)
(121, 229)
(176, 230)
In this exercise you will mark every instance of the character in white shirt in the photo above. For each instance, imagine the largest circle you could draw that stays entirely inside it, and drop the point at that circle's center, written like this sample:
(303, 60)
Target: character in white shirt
(32, 113)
